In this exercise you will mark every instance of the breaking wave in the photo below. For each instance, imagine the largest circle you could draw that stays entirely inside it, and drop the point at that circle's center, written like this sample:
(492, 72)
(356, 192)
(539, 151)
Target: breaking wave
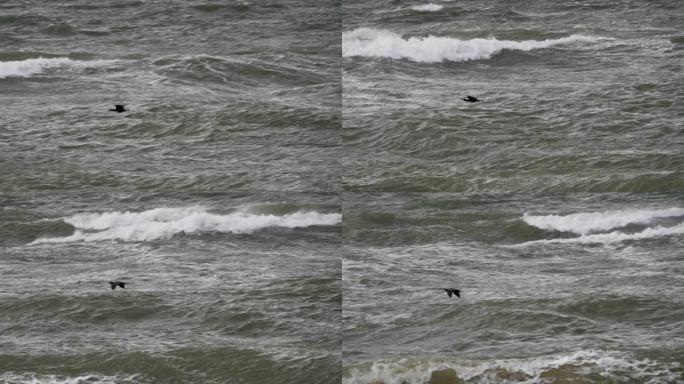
(30, 67)
(591, 226)
(585, 223)
(32, 378)
(165, 222)
(617, 236)
(371, 42)
(572, 367)
(430, 7)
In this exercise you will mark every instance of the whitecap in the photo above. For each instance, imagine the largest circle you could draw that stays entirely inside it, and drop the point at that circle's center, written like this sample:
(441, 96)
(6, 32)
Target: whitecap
(586, 222)
(430, 7)
(616, 236)
(30, 67)
(605, 363)
(165, 222)
(369, 42)
(33, 378)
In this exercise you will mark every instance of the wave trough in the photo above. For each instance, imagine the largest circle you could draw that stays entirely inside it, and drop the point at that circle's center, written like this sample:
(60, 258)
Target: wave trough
(165, 222)
(369, 42)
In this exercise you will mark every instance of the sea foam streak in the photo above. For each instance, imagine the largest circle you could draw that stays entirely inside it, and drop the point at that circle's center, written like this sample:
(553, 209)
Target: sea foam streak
(616, 236)
(29, 67)
(606, 364)
(165, 222)
(32, 378)
(584, 223)
(371, 42)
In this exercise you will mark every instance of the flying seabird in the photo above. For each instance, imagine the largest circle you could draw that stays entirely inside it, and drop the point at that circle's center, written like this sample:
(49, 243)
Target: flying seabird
(121, 284)
(471, 99)
(118, 108)
(449, 291)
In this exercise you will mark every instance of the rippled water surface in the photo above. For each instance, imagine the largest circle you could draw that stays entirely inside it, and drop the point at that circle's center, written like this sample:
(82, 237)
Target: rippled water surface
(554, 203)
(215, 197)
(296, 182)
(578, 97)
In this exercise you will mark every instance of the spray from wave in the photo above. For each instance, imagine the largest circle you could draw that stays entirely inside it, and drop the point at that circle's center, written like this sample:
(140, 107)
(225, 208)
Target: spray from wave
(371, 42)
(165, 222)
(30, 67)
(589, 225)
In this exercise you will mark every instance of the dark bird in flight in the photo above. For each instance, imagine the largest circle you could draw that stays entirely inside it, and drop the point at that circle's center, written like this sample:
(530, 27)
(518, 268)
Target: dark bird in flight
(471, 99)
(121, 284)
(118, 108)
(450, 291)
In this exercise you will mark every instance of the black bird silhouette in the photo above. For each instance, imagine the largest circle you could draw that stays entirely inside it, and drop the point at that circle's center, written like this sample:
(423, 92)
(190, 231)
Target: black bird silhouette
(114, 284)
(118, 108)
(450, 291)
(471, 99)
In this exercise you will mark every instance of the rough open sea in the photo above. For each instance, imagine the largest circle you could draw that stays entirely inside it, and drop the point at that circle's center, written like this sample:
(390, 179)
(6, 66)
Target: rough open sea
(216, 197)
(296, 181)
(556, 204)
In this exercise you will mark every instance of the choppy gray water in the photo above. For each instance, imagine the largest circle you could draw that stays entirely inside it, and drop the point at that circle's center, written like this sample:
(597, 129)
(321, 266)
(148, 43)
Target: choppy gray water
(579, 97)
(216, 198)
(555, 203)
(247, 170)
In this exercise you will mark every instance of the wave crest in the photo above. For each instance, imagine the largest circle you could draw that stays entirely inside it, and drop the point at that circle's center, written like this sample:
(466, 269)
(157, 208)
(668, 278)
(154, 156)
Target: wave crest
(590, 225)
(616, 236)
(371, 42)
(34, 378)
(30, 67)
(587, 222)
(430, 7)
(574, 366)
(165, 222)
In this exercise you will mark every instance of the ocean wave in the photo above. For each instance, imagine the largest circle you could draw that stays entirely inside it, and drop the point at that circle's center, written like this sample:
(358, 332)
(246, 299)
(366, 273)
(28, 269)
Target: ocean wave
(161, 223)
(430, 7)
(569, 366)
(369, 42)
(32, 378)
(586, 222)
(30, 67)
(216, 69)
(616, 236)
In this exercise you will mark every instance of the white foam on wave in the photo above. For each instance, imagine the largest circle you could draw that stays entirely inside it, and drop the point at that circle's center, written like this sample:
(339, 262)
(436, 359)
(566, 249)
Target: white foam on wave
(615, 236)
(430, 7)
(369, 42)
(586, 222)
(165, 222)
(29, 67)
(32, 378)
(606, 364)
